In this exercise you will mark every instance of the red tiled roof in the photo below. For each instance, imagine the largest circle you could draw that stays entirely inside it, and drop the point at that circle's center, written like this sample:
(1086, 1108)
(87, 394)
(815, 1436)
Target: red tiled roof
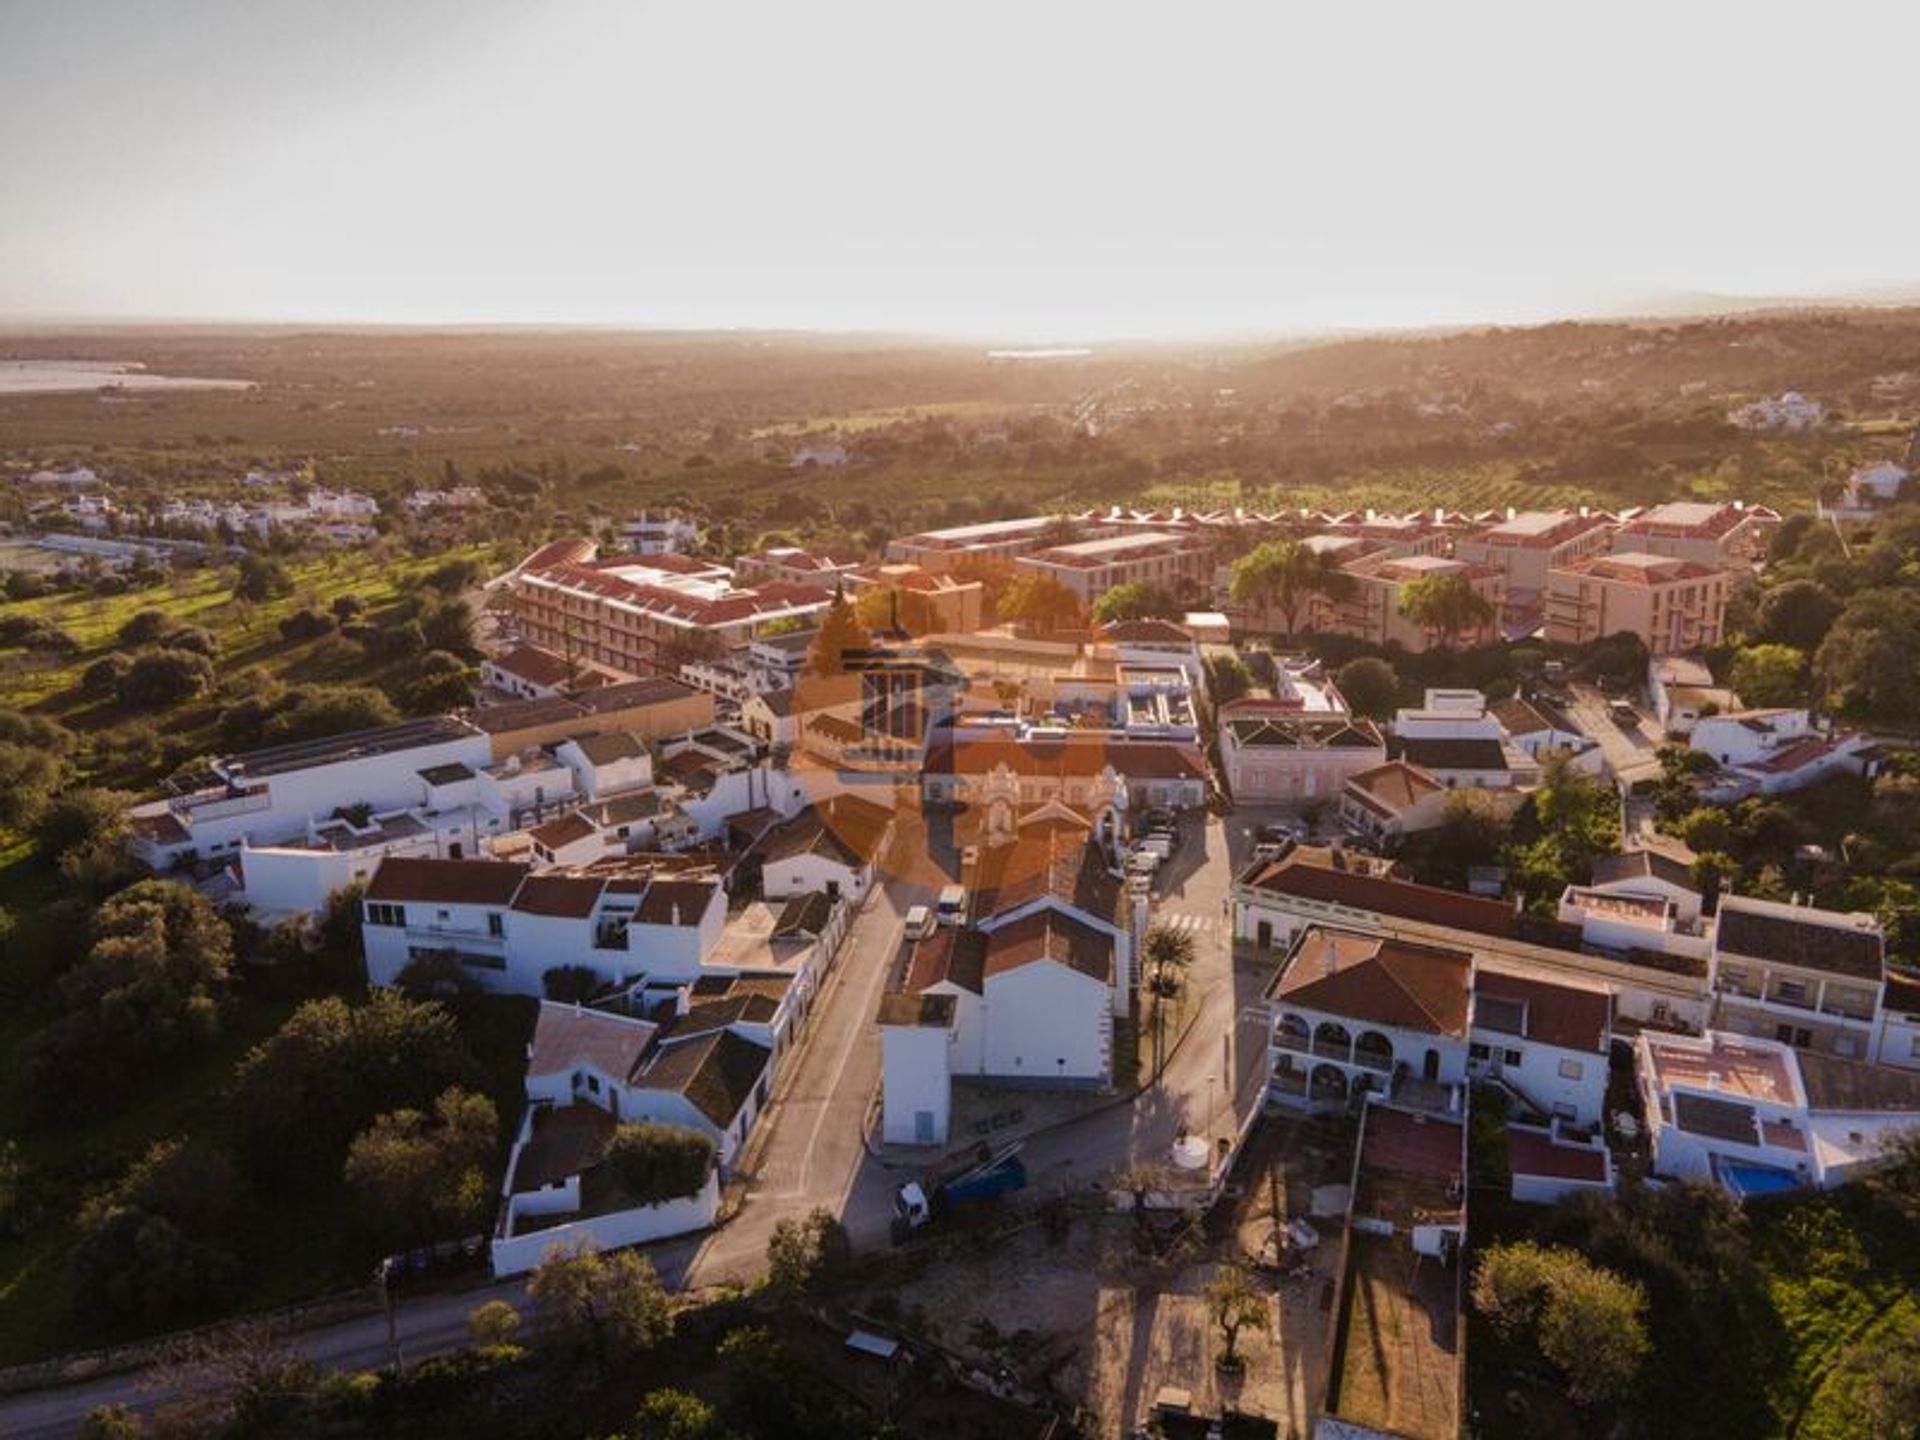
(1378, 981)
(676, 902)
(1568, 1016)
(1531, 1153)
(1049, 935)
(450, 882)
(567, 896)
(1309, 875)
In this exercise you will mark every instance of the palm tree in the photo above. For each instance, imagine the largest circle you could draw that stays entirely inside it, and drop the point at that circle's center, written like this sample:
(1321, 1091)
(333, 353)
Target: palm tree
(1445, 605)
(1284, 574)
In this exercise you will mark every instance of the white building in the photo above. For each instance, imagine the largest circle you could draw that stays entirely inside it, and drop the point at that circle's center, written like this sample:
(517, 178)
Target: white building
(1791, 411)
(1772, 752)
(1024, 995)
(1351, 1013)
(507, 925)
(1546, 1041)
(833, 847)
(670, 533)
(278, 794)
(1758, 1117)
(1391, 801)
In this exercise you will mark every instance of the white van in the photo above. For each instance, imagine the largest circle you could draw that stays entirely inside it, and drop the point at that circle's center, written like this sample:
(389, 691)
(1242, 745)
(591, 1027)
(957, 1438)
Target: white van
(951, 907)
(919, 922)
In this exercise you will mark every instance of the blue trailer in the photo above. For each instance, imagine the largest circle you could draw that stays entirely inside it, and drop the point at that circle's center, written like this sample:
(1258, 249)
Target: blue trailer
(967, 1177)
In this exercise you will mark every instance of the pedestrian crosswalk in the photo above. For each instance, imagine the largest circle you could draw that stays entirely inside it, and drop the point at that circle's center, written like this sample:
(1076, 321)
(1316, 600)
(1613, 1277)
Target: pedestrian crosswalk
(1186, 922)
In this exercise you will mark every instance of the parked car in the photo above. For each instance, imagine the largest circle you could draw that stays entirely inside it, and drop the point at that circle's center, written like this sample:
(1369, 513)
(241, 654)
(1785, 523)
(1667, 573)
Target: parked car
(1269, 849)
(919, 922)
(951, 907)
(1623, 714)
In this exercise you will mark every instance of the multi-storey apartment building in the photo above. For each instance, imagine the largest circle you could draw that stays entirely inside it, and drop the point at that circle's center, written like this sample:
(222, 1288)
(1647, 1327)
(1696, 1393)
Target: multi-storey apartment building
(641, 616)
(1371, 609)
(1525, 547)
(1177, 563)
(991, 540)
(1722, 536)
(1672, 604)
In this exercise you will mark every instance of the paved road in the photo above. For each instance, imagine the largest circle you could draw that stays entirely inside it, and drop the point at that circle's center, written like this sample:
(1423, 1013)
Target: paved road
(1212, 1078)
(1629, 750)
(813, 1152)
(428, 1326)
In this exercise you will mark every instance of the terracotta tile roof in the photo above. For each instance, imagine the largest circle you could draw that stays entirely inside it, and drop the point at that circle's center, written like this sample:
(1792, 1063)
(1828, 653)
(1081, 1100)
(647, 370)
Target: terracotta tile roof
(1055, 862)
(1395, 787)
(610, 747)
(1145, 632)
(803, 916)
(676, 902)
(1531, 1153)
(1378, 981)
(1847, 1085)
(1309, 875)
(1836, 949)
(1064, 756)
(1049, 935)
(1304, 732)
(716, 1071)
(446, 882)
(1569, 1016)
(1529, 717)
(562, 831)
(844, 828)
(1644, 863)
(534, 665)
(1633, 568)
(951, 955)
(565, 896)
(1448, 752)
(567, 1036)
(565, 1140)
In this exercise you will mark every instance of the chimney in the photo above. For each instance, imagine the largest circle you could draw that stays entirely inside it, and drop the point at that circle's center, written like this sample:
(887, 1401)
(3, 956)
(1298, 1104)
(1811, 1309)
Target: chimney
(675, 921)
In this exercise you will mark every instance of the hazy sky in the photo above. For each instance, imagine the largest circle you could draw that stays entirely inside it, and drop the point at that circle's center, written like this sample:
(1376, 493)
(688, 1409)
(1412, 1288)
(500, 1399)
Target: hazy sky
(1028, 169)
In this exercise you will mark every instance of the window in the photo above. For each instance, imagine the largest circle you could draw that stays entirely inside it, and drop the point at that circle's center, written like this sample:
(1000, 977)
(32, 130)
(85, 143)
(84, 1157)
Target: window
(593, 1084)
(1511, 1057)
(1478, 1051)
(1913, 1047)
(496, 924)
(1572, 1070)
(382, 914)
(1794, 992)
(443, 915)
(1566, 1112)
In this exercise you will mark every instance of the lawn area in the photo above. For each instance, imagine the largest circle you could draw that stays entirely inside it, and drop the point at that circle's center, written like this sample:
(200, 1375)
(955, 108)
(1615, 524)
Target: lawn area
(247, 631)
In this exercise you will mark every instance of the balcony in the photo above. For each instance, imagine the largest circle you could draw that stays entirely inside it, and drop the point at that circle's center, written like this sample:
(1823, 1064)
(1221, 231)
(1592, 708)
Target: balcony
(1287, 1040)
(1340, 1050)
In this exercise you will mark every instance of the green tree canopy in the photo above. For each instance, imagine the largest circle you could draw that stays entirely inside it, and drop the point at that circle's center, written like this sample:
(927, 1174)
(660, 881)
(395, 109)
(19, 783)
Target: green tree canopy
(1797, 613)
(1446, 605)
(1136, 600)
(1587, 1322)
(1285, 575)
(420, 1176)
(609, 1304)
(1041, 603)
(1770, 675)
(655, 1163)
(1369, 685)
